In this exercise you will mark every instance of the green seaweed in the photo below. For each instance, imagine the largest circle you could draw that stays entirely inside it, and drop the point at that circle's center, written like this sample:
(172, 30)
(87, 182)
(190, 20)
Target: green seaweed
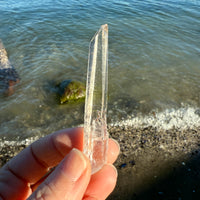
(71, 91)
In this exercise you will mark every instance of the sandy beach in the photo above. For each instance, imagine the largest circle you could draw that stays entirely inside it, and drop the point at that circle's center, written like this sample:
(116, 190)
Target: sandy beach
(153, 164)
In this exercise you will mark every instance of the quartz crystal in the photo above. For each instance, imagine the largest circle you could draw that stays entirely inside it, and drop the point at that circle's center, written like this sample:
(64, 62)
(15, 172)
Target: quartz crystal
(95, 116)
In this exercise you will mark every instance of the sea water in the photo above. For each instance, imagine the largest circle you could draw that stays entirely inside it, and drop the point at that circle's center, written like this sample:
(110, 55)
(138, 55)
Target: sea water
(154, 62)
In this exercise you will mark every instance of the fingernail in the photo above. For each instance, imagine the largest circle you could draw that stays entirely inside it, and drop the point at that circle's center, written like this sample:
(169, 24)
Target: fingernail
(75, 165)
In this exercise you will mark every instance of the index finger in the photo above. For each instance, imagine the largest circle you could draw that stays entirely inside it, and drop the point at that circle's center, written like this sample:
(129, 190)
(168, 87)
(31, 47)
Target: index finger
(36, 160)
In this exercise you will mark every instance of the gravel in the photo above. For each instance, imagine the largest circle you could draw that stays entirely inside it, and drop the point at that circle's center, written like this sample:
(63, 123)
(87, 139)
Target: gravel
(153, 164)
(157, 164)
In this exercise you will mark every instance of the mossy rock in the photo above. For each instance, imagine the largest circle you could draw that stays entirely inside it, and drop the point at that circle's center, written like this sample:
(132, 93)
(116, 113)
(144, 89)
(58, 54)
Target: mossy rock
(71, 91)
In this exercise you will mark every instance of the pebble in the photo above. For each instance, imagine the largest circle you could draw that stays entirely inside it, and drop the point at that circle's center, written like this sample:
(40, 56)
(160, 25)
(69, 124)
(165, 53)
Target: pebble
(132, 162)
(183, 163)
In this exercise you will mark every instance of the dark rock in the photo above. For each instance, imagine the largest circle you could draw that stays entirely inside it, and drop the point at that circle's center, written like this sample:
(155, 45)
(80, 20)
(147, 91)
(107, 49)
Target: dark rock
(132, 162)
(8, 75)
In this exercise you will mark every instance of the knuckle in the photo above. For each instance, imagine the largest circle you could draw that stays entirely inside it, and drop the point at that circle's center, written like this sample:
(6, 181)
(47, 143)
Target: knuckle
(43, 192)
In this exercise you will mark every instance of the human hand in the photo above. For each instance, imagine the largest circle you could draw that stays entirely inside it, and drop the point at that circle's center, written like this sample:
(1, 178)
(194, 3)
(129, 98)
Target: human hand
(31, 174)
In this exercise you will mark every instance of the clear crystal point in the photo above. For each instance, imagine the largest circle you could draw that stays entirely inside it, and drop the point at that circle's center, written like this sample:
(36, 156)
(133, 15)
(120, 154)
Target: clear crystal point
(95, 117)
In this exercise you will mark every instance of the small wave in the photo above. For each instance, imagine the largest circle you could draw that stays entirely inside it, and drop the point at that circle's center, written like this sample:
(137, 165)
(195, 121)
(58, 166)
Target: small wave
(183, 118)
(26, 142)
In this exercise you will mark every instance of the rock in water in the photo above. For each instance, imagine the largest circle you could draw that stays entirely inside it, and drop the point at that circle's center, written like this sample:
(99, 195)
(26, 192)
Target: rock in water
(71, 91)
(8, 75)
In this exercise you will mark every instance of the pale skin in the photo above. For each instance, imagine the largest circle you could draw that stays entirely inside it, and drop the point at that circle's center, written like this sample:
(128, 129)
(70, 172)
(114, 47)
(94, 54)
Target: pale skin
(54, 167)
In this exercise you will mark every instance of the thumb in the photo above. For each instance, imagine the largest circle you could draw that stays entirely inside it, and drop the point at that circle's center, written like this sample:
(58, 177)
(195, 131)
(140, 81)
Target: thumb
(68, 181)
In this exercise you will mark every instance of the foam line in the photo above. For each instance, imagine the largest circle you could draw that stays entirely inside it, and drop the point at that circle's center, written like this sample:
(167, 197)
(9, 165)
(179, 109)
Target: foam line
(25, 142)
(182, 119)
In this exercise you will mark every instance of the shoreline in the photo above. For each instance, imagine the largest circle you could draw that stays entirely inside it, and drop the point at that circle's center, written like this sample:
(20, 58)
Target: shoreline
(153, 163)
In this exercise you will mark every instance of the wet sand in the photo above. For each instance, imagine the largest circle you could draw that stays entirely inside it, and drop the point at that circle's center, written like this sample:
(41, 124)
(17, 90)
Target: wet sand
(153, 164)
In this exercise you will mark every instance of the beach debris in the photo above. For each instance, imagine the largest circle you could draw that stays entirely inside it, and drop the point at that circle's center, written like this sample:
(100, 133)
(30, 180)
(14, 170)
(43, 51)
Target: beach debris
(71, 91)
(123, 165)
(95, 116)
(8, 75)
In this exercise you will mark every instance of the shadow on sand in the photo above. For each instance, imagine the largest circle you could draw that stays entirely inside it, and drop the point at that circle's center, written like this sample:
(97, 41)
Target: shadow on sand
(175, 179)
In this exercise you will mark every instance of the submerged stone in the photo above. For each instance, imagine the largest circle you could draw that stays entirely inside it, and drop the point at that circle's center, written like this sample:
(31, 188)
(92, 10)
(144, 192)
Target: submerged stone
(71, 91)
(8, 75)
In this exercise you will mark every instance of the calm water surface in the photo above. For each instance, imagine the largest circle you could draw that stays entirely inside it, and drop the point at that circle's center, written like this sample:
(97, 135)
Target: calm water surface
(154, 59)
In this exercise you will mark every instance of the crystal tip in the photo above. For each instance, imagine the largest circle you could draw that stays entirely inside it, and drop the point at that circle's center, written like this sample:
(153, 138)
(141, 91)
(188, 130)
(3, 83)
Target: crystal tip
(105, 27)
